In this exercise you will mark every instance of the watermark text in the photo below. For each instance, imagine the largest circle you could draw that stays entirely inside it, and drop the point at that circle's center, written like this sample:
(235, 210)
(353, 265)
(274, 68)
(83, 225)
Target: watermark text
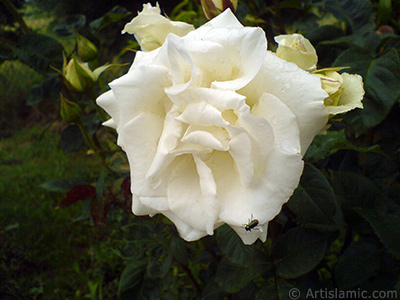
(295, 294)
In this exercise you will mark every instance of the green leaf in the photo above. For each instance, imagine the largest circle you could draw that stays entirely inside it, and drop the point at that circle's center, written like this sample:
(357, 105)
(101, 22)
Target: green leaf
(232, 277)
(118, 163)
(366, 41)
(50, 89)
(327, 144)
(6, 52)
(298, 251)
(314, 201)
(159, 269)
(116, 14)
(40, 52)
(357, 59)
(62, 185)
(324, 33)
(132, 279)
(179, 250)
(358, 263)
(212, 291)
(231, 245)
(382, 87)
(283, 291)
(356, 13)
(71, 23)
(71, 139)
(386, 227)
(355, 190)
(391, 41)
(100, 185)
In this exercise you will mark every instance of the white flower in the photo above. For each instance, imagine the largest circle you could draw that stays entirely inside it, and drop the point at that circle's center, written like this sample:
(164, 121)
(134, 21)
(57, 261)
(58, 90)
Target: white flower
(296, 48)
(151, 29)
(215, 127)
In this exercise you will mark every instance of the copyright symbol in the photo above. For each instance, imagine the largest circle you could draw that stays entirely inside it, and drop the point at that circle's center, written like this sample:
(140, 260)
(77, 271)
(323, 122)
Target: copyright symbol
(294, 294)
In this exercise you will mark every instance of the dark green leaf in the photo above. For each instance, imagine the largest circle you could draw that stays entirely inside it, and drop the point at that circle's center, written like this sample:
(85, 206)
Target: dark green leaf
(154, 269)
(358, 263)
(356, 13)
(91, 122)
(386, 227)
(323, 145)
(231, 245)
(178, 250)
(298, 251)
(249, 292)
(212, 291)
(314, 202)
(366, 41)
(70, 24)
(324, 33)
(100, 185)
(62, 185)
(71, 139)
(357, 59)
(391, 42)
(327, 144)
(284, 291)
(40, 52)
(6, 52)
(232, 277)
(382, 87)
(118, 13)
(132, 279)
(355, 190)
(50, 89)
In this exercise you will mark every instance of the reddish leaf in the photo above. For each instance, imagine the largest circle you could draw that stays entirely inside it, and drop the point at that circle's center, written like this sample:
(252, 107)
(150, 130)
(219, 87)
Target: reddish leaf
(98, 214)
(79, 192)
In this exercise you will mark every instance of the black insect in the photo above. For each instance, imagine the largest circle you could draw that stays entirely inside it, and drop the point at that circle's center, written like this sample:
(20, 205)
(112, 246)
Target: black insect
(253, 223)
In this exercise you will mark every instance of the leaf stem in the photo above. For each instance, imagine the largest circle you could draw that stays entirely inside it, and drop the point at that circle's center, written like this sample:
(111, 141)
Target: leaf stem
(86, 137)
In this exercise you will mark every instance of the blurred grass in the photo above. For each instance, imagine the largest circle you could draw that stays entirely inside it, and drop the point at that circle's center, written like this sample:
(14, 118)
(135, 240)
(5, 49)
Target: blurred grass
(45, 252)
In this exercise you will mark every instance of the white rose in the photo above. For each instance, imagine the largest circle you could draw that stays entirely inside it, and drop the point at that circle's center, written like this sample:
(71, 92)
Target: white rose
(296, 48)
(151, 29)
(215, 127)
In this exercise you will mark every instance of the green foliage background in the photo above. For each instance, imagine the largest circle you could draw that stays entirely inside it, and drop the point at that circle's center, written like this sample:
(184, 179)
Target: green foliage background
(66, 231)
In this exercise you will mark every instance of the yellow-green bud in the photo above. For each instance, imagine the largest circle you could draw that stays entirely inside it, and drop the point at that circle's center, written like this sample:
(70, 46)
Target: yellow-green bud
(70, 111)
(345, 91)
(213, 8)
(87, 51)
(78, 77)
(296, 48)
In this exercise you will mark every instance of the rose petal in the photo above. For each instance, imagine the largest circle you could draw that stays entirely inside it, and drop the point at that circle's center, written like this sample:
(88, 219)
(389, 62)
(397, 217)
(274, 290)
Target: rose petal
(133, 97)
(197, 206)
(151, 29)
(275, 184)
(108, 102)
(249, 237)
(140, 142)
(187, 232)
(298, 89)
